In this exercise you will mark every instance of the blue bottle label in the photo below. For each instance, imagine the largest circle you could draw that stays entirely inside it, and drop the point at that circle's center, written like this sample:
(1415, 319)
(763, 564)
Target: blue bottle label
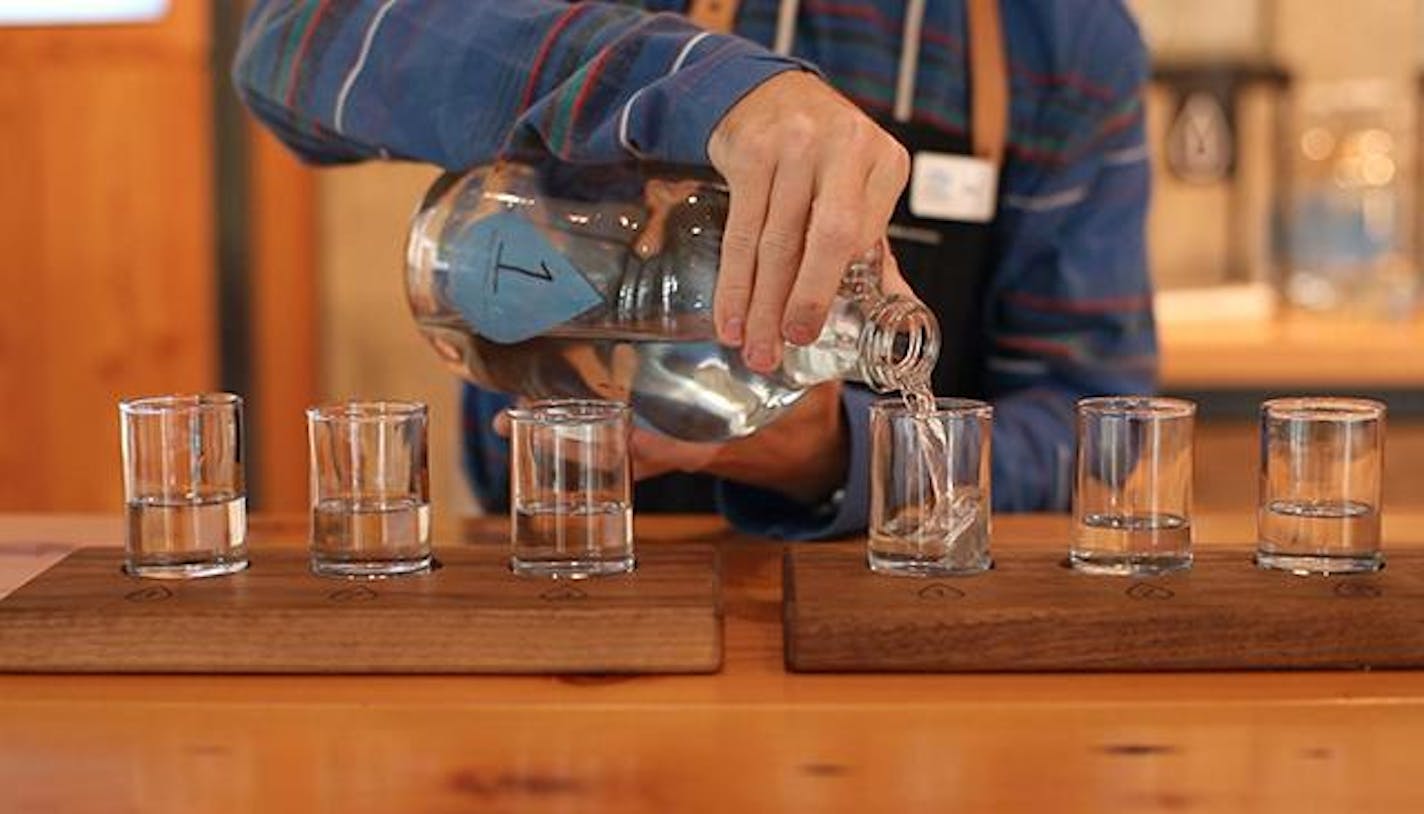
(512, 284)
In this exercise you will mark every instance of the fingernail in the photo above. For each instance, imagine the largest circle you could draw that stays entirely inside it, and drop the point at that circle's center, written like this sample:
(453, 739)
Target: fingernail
(801, 333)
(759, 357)
(733, 330)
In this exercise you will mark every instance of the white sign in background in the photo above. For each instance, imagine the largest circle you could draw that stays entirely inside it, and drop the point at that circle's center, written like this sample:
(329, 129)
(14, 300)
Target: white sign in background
(78, 12)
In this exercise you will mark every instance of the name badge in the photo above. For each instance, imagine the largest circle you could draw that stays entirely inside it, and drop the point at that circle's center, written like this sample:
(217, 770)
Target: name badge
(944, 186)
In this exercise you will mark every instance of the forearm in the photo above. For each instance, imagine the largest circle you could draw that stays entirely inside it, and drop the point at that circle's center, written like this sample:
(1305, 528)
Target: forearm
(455, 82)
(767, 512)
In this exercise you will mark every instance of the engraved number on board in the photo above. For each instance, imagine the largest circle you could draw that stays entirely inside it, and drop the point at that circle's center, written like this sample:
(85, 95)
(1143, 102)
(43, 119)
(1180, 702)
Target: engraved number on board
(938, 590)
(153, 593)
(1146, 590)
(560, 593)
(1358, 590)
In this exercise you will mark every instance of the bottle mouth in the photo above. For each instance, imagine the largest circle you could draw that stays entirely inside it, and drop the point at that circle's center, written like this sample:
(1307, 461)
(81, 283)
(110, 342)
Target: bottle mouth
(899, 346)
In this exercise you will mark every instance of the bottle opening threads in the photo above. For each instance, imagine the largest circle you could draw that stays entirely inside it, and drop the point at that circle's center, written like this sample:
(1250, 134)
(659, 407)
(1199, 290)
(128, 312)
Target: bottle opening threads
(899, 345)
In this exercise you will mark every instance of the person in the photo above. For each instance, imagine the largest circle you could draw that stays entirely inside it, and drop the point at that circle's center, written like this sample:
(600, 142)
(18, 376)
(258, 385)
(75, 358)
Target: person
(1017, 124)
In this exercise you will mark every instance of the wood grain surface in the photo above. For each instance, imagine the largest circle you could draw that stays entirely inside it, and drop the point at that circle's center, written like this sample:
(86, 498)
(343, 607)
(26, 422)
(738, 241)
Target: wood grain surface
(1031, 613)
(107, 287)
(748, 739)
(469, 616)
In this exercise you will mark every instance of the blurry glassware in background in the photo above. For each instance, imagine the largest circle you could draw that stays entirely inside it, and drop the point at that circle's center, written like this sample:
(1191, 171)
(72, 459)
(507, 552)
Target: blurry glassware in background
(1215, 111)
(1346, 228)
(1417, 200)
(1212, 129)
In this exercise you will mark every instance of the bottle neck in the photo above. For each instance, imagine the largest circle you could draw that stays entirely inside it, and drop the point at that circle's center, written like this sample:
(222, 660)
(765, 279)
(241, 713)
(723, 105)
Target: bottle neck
(899, 344)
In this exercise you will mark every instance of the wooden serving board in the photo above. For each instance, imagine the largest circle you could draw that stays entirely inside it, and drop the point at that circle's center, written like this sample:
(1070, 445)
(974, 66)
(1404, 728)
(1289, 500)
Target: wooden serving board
(1032, 613)
(469, 616)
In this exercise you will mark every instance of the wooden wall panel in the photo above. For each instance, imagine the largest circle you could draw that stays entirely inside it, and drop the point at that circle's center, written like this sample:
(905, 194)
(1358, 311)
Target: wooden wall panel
(106, 276)
(282, 263)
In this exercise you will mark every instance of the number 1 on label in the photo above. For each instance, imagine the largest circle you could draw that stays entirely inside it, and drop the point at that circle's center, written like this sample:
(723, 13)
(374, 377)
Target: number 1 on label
(543, 272)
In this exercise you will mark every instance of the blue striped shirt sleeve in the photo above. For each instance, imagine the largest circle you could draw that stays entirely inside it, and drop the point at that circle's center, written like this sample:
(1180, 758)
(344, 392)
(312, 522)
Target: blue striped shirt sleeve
(455, 82)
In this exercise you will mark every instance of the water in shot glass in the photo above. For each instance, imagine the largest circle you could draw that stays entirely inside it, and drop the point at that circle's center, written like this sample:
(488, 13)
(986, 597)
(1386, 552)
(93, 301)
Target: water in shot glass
(184, 492)
(1133, 491)
(571, 509)
(370, 489)
(929, 488)
(1321, 461)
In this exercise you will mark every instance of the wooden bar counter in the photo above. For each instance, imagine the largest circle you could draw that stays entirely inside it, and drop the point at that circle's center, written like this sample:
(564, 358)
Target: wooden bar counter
(753, 737)
(1292, 350)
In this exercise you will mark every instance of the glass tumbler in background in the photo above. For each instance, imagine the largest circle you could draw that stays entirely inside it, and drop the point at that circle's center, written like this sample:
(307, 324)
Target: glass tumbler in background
(929, 488)
(571, 506)
(370, 489)
(1133, 491)
(1321, 462)
(184, 492)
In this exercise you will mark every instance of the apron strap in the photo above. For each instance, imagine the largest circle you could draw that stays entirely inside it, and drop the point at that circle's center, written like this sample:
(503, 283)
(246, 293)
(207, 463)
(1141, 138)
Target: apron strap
(989, 81)
(714, 15)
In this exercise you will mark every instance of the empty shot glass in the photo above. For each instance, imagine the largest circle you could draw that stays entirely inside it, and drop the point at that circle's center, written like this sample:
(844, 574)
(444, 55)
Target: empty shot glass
(571, 506)
(184, 493)
(929, 488)
(370, 489)
(1132, 499)
(1319, 508)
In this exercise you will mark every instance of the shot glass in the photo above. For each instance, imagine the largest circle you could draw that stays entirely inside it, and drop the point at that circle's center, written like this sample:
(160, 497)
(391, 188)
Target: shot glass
(184, 494)
(1132, 501)
(1319, 509)
(370, 489)
(571, 506)
(929, 488)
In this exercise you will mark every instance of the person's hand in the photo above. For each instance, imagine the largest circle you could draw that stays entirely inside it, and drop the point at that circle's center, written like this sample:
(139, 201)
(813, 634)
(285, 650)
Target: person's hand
(803, 454)
(813, 184)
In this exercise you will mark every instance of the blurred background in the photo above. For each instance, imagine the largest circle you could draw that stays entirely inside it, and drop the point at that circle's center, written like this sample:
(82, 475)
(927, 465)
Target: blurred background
(156, 241)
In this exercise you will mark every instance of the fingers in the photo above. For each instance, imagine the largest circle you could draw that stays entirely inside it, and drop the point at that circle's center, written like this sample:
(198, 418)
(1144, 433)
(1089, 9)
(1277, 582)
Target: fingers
(779, 253)
(833, 238)
(813, 183)
(889, 172)
(855, 200)
(750, 187)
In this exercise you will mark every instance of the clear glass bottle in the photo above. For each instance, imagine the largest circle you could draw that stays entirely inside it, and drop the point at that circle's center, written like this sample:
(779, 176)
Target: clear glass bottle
(559, 281)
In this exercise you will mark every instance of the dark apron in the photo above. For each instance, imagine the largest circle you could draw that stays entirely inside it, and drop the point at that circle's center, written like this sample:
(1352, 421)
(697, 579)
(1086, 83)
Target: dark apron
(946, 262)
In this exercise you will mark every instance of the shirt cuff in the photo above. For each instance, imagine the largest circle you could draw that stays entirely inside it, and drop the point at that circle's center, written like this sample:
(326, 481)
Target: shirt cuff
(763, 512)
(674, 118)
